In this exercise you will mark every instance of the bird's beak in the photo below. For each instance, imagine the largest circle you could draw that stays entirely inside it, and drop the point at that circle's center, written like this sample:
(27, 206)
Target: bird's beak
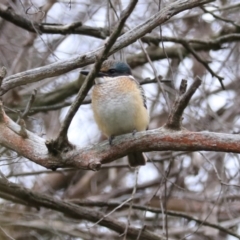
(86, 72)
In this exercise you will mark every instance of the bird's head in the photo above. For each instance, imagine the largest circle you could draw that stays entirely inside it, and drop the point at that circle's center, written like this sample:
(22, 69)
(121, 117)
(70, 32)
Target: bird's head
(112, 68)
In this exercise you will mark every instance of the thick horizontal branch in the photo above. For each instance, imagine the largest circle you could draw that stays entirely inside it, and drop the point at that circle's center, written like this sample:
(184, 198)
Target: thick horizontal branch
(91, 158)
(61, 67)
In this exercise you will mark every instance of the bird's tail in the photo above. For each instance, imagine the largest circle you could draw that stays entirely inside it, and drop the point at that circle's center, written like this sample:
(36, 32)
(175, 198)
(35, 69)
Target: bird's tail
(137, 159)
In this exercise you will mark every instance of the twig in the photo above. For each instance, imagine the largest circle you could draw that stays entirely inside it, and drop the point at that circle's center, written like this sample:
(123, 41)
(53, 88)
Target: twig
(155, 74)
(6, 234)
(205, 219)
(2, 113)
(114, 210)
(175, 117)
(131, 203)
(3, 73)
(217, 174)
(62, 137)
(28, 106)
(221, 18)
(204, 63)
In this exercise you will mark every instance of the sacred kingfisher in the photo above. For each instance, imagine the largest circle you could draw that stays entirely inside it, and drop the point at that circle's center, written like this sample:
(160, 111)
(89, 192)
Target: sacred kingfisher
(119, 104)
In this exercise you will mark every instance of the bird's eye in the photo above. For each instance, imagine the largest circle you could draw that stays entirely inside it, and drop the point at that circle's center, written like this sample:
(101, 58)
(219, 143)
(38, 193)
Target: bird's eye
(112, 71)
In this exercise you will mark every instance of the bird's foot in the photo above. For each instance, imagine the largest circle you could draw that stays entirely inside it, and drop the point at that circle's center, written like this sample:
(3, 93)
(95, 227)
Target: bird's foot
(110, 139)
(134, 132)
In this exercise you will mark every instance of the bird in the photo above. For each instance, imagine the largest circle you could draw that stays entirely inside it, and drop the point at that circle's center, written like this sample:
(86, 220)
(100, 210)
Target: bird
(119, 104)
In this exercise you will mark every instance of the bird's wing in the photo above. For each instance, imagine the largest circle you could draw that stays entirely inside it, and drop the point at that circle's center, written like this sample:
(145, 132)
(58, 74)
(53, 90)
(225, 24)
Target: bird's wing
(141, 90)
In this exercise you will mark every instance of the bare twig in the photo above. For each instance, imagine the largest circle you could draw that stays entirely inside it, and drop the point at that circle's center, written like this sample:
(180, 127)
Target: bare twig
(6, 234)
(114, 210)
(186, 44)
(204, 63)
(155, 74)
(2, 113)
(175, 117)
(28, 106)
(3, 73)
(131, 203)
(221, 18)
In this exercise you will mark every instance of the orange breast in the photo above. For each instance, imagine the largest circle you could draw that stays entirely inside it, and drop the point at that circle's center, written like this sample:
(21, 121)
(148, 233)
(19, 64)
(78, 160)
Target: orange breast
(118, 106)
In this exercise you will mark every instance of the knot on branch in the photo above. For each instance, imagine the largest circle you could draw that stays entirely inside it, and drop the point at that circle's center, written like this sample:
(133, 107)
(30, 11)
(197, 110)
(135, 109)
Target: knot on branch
(95, 166)
(56, 149)
(174, 121)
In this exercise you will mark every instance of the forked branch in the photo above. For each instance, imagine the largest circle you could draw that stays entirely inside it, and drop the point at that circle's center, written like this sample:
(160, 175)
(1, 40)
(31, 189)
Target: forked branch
(174, 121)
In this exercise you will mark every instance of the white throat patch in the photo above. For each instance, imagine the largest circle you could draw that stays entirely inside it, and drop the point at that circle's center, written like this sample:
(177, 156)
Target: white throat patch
(100, 80)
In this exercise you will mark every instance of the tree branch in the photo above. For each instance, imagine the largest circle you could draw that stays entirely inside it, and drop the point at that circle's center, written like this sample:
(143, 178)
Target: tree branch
(35, 27)
(112, 204)
(204, 63)
(3, 72)
(91, 158)
(20, 195)
(72, 210)
(175, 117)
(61, 67)
(157, 53)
